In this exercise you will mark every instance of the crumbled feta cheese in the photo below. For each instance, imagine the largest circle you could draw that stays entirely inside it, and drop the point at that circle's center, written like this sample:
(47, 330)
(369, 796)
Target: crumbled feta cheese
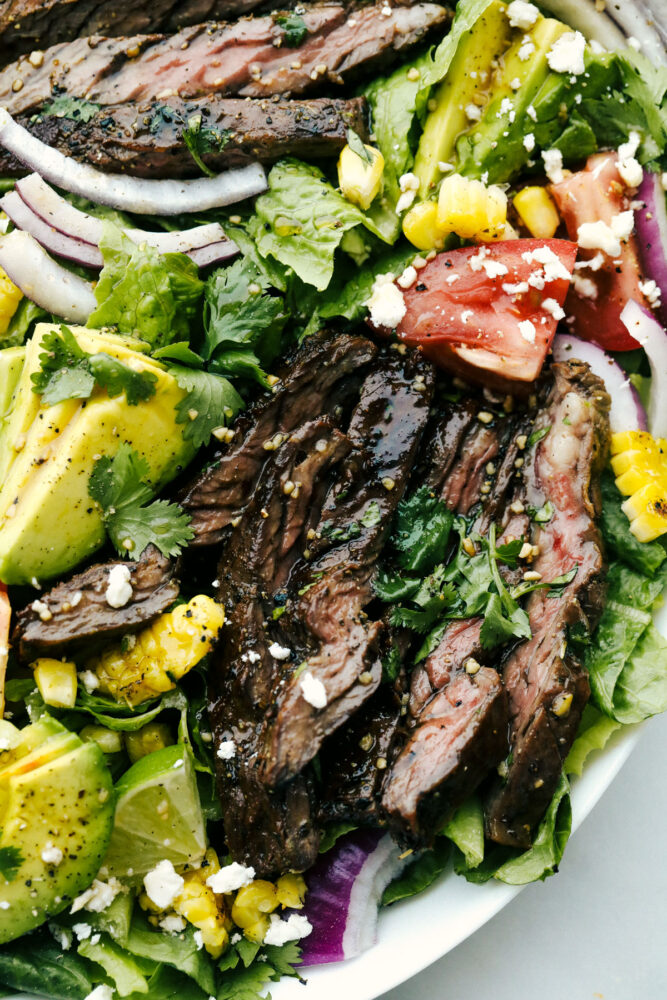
(119, 588)
(101, 992)
(227, 750)
(445, 168)
(89, 680)
(163, 884)
(173, 924)
(408, 277)
(4, 905)
(293, 929)
(386, 305)
(522, 15)
(405, 202)
(529, 142)
(62, 936)
(235, 938)
(313, 690)
(527, 330)
(505, 107)
(198, 939)
(553, 165)
(526, 49)
(519, 289)
(98, 897)
(608, 238)
(408, 182)
(596, 47)
(251, 657)
(553, 268)
(552, 307)
(476, 262)
(494, 268)
(515, 83)
(52, 855)
(279, 652)
(584, 287)
(531, 112)
(627, 165)
(230, 878)
(451, 278)
(472, 112)
(567, 53)
(465, 315)
(593, 263)
(82, 931)
(651, 292)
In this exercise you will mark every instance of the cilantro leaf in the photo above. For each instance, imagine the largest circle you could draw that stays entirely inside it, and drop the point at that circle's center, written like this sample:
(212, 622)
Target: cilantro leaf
(180, 352)
(537, 436)
(357, 146)
(118, 485)
(11, 860)
(391, 664)
(423, 524)
(75, 108)
(542, 515)
(68, 372)
(499, 626)
(371, 516)
(295, 29)
(211, 401)
(201, 139)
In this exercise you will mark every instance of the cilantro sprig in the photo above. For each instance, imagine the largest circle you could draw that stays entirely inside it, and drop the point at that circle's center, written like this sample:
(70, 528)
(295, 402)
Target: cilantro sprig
(120, 487)
(68, 372)
(295, 29)
(202, 139)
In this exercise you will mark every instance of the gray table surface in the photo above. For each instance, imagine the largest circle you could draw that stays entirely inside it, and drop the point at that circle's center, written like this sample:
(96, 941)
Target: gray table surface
(595, 931)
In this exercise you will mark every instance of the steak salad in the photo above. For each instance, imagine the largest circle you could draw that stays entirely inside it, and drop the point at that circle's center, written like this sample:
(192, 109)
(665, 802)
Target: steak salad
(333, 469)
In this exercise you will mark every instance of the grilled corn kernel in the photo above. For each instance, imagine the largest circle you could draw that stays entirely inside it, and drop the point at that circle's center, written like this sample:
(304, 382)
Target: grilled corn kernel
(160, 654)
(10, 296)
(198, 904)
(291, 891)
(537, 212)
(639, 462)
(251, 907)
(470, 209)
(360, 181)
(56, 682)
(108, 740)
(420, 226)
(148, 739)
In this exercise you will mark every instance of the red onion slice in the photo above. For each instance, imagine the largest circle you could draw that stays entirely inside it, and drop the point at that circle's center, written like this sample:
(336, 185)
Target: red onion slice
(130, 194)
(57, 243)
(651, 228)
(627, 412)
(646, 330)
(63, 217)
(344, 891)
(44, 281)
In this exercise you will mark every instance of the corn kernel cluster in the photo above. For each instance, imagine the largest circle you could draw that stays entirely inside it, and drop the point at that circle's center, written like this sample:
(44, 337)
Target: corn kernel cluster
(56, 681)
(537, 212)
(160, 654)
(255, 903)
(639, 462)
(10, 296)
(360, 181)
(465, 207)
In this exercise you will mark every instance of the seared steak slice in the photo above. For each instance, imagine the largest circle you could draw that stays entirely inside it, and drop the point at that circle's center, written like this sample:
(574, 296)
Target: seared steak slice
(306, 386)
(80, 613)
(248, 57)
(334, 644)
(271, 829)
(146, 140)
(27, 25)
(546, 684)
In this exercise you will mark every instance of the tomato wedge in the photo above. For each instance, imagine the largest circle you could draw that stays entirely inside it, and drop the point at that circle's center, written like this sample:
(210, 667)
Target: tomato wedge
(596, 300)
(489, 313)
(5, 618)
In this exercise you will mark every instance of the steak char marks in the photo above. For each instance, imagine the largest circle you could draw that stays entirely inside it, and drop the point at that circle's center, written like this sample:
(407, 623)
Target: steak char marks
(547, 686)
(306, 547)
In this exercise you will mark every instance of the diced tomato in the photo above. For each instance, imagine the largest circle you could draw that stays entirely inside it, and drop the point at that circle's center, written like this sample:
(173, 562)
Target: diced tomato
(478, 311)
(5, 618)
(597, 194)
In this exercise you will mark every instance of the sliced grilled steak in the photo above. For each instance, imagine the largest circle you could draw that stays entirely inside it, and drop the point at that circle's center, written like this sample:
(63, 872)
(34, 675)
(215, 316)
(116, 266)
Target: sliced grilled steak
(146, 140)
(27, 25)
(307, 387)
(80, 613)
(248, 58)
(546, 684)
(271, 829)
(334, 644)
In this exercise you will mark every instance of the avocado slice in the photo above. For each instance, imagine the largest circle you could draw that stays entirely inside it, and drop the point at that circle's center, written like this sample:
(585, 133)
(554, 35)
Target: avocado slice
(468, 79)
(11, 365)
(47, 479)
(62, 803)
(494, 148)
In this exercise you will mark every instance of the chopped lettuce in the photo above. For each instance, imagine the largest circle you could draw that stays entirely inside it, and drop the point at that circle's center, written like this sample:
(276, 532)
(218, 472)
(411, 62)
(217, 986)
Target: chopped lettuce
(179, 951)
(420, 874)
(118, 964)
(143, 293)
(595, 730)
(466, 830)
(26, 315)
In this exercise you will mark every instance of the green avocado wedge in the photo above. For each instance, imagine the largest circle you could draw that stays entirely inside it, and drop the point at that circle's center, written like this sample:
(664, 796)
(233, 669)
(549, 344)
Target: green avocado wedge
(56, 814)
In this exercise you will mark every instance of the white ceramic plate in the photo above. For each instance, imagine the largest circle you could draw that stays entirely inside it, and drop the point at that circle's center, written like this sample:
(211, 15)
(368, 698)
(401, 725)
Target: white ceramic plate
(418, 931)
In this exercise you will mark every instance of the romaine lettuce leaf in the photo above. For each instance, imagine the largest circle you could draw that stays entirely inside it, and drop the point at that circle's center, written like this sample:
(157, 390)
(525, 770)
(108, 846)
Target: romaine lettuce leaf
(543, 858)
(146, 294)
(466, 830)
(420, 874)
(118, 964)
(595, 730)
(641, 688)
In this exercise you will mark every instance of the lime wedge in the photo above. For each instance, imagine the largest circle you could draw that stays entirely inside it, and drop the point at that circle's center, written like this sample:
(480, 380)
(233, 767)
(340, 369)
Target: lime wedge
(158, 815)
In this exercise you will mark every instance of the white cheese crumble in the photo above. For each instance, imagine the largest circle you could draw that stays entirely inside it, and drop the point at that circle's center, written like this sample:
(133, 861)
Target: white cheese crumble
(567, 53)
(651, 292)
(293, 929)
(553, 165)
(527, 330)
(227, 750)
(529, 142)
(313, 690)
(198, 939)
(62, 935)
(89, 680)
(251, 657)
(386, 305)
(472, 112)
(593, 263)
(4, 905)
(553, 268)
(551, 306)
(522, 15)
(408, 277)
(82, 931)
(279, 652)
(101, 992)
(531, 112)
(119, 588)
(520, 288)
(409, 185)
(584, 287)
(627, 165)
(608, 238)
(52, 855)
(98, 897)
(465, 316)
(480, 261)
(163, 884)
(230, 878)
(526, 50)
(173, 924)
